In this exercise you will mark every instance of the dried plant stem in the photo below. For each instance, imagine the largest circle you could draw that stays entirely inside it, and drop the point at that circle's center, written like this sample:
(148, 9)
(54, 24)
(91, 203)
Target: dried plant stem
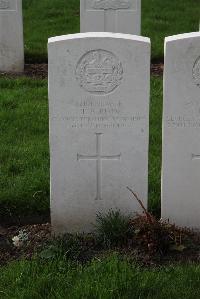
(147, 214)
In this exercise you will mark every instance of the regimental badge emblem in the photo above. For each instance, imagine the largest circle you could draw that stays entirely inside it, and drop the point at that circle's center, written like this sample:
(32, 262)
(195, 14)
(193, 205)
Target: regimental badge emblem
(111, 4)
(4, 4)
(99, 72)
(196, 72)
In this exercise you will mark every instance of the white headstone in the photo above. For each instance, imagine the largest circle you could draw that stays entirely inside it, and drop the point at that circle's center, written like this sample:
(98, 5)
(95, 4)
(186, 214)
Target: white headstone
(99, 107)
(122, 16)
(181, 131)
(11, 36)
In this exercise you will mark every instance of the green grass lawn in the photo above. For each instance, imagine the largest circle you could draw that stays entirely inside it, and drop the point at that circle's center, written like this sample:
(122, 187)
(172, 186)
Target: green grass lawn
(46, 18)
(103, 278)
(24, 150)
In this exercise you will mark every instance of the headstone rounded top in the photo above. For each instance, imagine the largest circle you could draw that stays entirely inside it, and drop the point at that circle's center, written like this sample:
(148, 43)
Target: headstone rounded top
(99, 35)
(174, 38)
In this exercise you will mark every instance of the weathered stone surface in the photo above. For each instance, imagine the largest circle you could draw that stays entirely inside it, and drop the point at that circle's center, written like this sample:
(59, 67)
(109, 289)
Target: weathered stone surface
(122, 16)
(99, 124)
(181, 131)
(11, 36)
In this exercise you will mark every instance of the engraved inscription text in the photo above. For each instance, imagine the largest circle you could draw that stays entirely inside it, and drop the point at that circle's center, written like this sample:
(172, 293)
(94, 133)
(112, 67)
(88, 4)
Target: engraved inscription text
(111, 4)
(99, 114)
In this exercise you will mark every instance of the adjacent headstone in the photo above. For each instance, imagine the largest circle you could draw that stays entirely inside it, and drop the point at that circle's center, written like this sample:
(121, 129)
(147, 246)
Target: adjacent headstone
(122, 16)
(11, 36)
(99, 125)
(181, 131)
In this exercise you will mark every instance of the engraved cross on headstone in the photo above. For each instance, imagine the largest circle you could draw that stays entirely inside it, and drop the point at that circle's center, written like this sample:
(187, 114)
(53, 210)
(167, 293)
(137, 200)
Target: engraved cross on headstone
(98, 157)
(111, 9)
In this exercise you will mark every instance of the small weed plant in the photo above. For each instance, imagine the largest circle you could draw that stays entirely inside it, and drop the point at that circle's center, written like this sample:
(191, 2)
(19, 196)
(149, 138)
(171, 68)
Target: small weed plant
(157, 236)
(144, 231)
(113, 229)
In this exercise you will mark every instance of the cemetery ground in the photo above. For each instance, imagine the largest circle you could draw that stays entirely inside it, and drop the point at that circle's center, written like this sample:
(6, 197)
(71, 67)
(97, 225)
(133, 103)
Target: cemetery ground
(127, 261)
(129, 264)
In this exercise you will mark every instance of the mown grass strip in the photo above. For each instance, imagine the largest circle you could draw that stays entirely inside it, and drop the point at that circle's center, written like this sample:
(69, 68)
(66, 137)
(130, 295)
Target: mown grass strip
(106, 278)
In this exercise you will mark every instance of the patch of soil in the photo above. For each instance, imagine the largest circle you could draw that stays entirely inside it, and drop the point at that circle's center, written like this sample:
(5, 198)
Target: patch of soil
(157, 69)
(40, 71)
(35, 71)
(40, 234)
(191, 253)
